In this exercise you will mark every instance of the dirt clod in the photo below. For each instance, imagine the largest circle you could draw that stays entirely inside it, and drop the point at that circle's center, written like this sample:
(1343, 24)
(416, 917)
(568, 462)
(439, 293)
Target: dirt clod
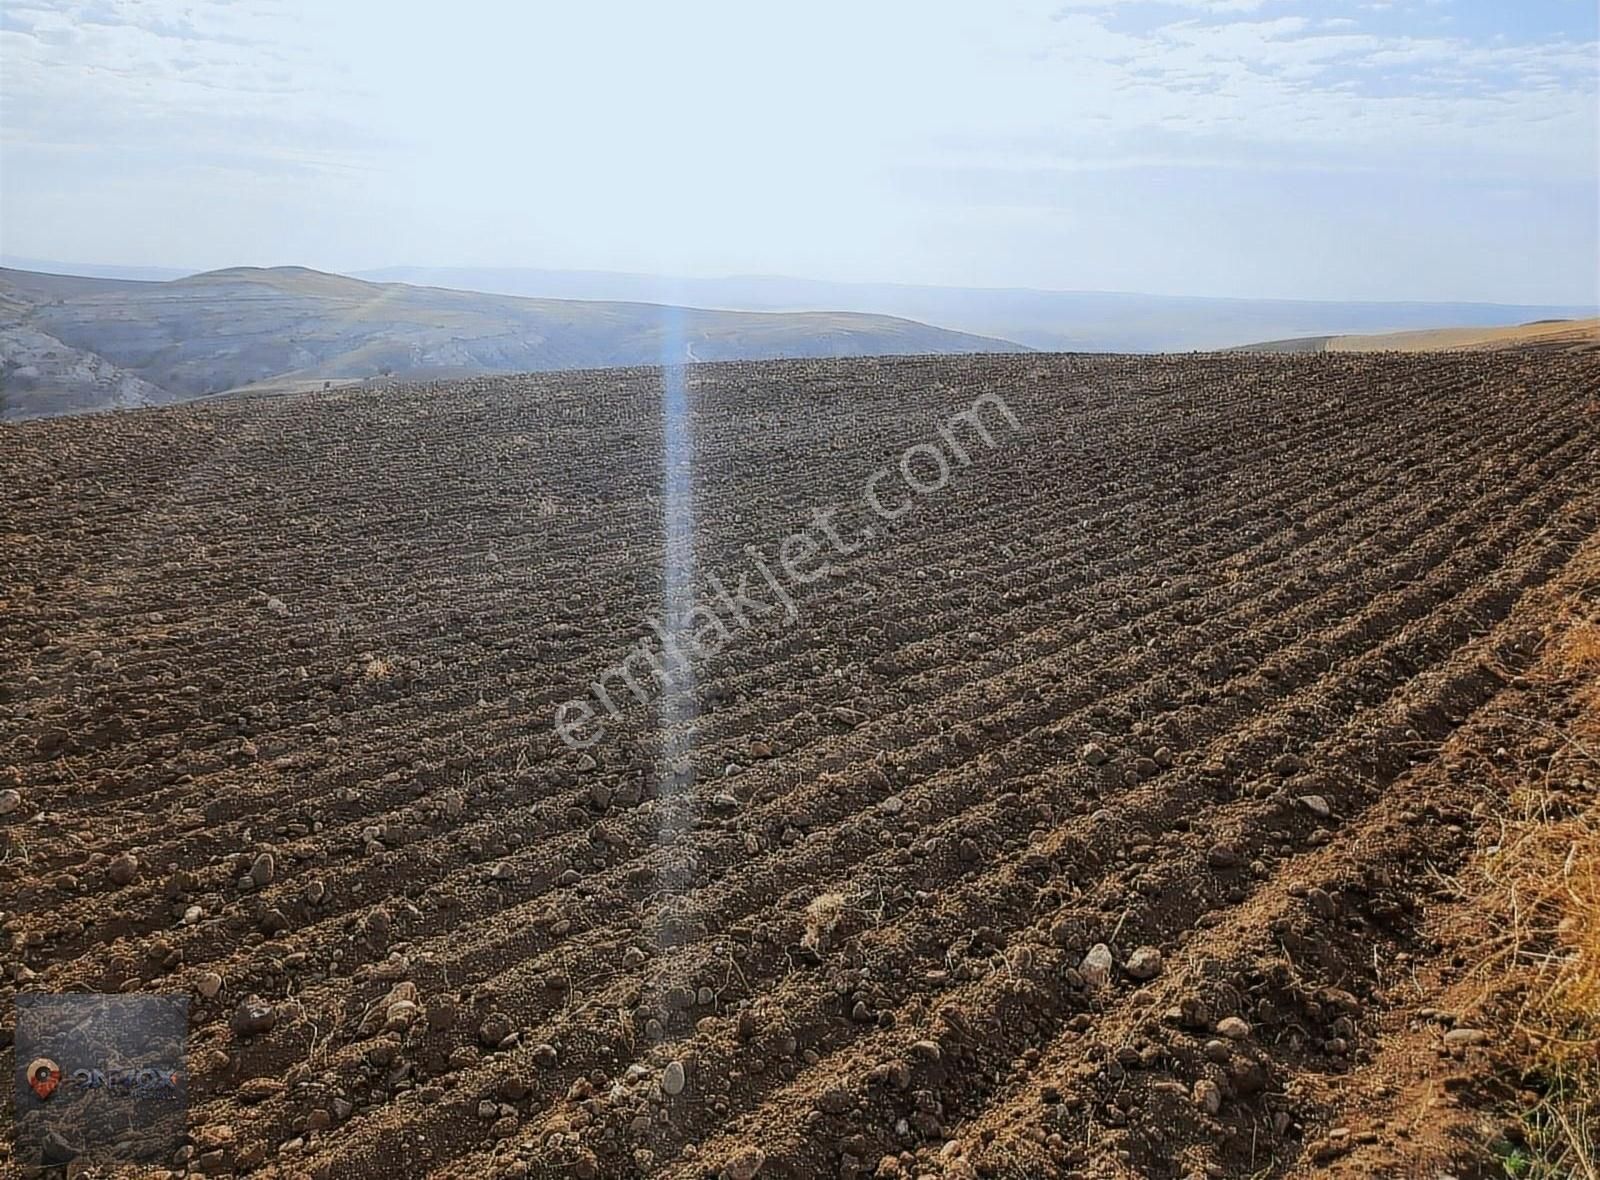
(1234, 1028)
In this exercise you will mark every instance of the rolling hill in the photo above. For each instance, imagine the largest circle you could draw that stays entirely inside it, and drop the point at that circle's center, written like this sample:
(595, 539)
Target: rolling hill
(71, 344)
(1554, 335)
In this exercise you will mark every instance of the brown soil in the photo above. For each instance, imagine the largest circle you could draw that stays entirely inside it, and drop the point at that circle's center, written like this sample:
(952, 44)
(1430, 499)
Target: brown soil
(299, 657)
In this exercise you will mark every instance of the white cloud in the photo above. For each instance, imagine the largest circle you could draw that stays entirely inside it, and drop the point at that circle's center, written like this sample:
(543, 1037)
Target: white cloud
(1279, 79)
(209, 84)
(713, 135)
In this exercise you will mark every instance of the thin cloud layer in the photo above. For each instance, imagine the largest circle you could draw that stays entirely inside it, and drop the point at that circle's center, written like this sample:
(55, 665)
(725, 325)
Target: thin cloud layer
(1392, 148)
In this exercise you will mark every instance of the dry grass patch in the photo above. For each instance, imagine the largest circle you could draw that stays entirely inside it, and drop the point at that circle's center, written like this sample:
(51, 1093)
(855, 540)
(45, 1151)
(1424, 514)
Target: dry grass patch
(1542, 885)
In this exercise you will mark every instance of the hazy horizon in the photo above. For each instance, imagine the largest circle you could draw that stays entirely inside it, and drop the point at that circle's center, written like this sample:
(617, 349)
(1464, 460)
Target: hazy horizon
(442, 276)
(1420, 150)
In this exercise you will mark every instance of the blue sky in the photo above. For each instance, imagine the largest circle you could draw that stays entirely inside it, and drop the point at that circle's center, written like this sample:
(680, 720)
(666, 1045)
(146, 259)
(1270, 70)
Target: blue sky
(1415, 149)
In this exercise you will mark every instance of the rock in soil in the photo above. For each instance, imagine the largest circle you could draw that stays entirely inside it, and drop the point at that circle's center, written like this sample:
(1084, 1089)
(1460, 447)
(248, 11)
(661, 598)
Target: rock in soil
(1096, 966)
(1144, 963)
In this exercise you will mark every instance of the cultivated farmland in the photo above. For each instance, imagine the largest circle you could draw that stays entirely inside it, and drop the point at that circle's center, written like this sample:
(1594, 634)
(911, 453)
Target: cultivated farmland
(1088, 817)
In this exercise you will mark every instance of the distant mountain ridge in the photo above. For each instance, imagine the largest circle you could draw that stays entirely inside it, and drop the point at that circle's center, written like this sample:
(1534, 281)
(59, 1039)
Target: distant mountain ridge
(93, 270)
(1069, 320)
(131, 336)
(73, 343)
(1072, 321)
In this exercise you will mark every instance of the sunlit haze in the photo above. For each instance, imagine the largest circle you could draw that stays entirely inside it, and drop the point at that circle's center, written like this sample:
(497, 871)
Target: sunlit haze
(1337, 150)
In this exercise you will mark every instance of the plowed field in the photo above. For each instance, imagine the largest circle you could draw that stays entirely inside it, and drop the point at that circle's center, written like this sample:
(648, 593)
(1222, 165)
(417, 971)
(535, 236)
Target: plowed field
(1088, 817)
